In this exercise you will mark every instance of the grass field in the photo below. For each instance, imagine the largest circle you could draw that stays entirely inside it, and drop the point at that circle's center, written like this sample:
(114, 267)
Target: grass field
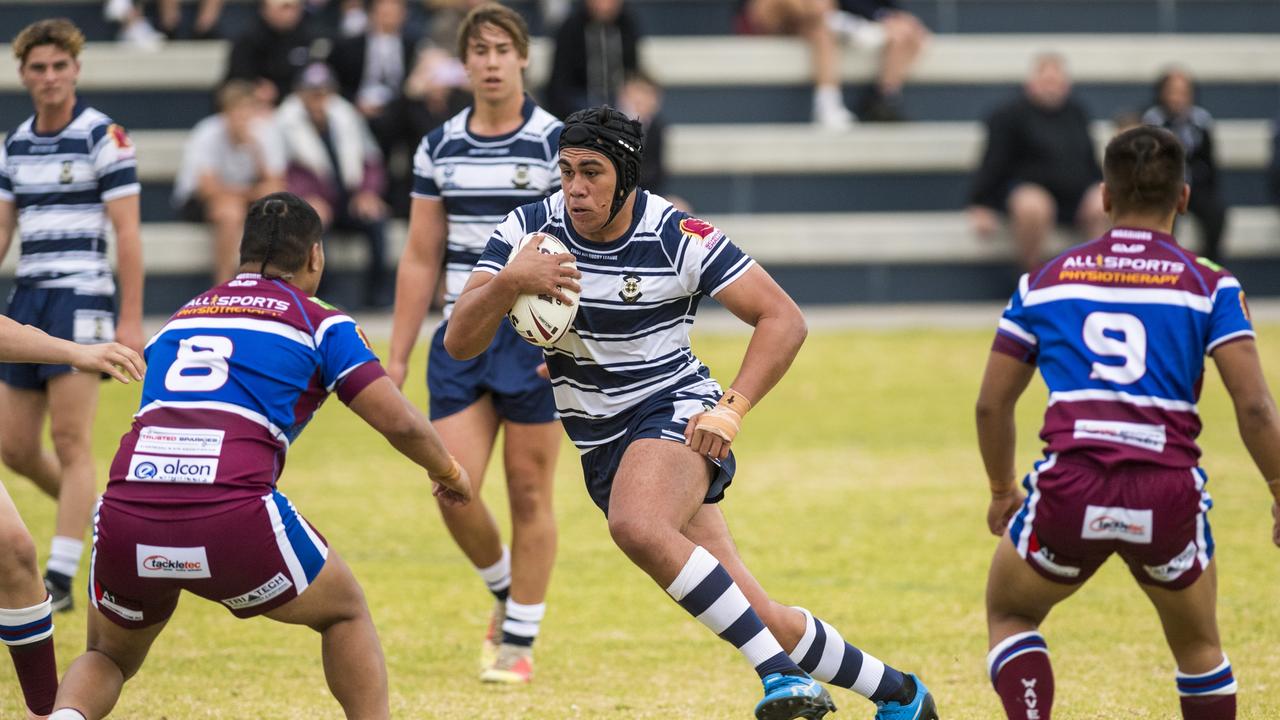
(860, 495)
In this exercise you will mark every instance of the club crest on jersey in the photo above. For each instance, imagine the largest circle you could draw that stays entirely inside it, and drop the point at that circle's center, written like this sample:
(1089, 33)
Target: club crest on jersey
(701, 231)
(521, 180)
(630, 288)
(448, 184)
(66, 177)
(120, 139)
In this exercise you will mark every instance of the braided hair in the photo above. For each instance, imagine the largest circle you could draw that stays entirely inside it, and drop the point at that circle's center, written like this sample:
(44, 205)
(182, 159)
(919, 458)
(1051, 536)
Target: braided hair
(1144, 169)
(279, 230)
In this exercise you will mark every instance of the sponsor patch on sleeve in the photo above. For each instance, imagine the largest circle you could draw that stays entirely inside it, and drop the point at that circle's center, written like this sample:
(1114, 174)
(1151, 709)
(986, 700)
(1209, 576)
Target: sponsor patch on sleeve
(701, 231)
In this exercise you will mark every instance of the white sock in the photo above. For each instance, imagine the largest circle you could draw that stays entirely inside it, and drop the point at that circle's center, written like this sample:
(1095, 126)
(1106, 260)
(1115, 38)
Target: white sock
(827, 98)
(64, 555)
(497, 577)
(522, 622)
(66, 714)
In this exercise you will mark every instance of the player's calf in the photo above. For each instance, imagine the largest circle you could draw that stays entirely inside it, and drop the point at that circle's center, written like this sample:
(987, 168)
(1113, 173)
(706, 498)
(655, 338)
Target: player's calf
(28, 633)
(1022, 676)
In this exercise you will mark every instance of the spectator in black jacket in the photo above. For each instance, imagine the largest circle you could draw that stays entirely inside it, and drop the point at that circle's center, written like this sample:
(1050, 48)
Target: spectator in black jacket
(274, 50)
(595, 52)
(1040, 167)
(371, 69)
(1175, 110)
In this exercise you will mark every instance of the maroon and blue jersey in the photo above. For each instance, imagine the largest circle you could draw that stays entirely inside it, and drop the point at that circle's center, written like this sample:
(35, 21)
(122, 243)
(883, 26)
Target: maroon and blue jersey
(1119, 329)
(232, 379)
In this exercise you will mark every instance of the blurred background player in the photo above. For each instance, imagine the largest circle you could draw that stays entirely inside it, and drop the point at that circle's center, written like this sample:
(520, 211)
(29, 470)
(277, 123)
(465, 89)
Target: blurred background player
(1175, 110)
(192, 502)
(229, 160)
(1119, 329)
(26, 608)
(653, 428)
(333, 162)
(1039, 167)
(491, 158)
(67, 173)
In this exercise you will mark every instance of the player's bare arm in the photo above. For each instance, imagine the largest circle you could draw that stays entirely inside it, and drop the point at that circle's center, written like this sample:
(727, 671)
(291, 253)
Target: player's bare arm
(780, 330)
(487, 298)
(8, 223)
(1256, 414)
(388, 411)
(416, 279)
(125, 216)
(1004, 381)
(27, 344)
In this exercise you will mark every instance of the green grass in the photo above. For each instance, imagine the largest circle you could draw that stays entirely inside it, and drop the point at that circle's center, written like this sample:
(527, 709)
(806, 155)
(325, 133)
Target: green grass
(860, 494)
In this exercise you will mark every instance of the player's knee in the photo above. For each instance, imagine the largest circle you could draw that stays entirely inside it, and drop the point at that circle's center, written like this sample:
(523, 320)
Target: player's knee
(18, 559)
(19, 458)
(69, 440)
(634, 536)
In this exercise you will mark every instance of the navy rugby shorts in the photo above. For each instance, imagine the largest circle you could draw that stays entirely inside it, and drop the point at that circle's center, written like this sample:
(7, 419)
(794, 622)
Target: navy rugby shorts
(507, 370)
(663, 416)
(62, 313)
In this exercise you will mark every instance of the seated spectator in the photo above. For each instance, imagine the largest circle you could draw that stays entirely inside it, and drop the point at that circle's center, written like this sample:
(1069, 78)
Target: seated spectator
(1175, 110)
(595, 51)
(898, 34)
(273, 51)
(807, 19)
(1039, 167)
(205, 25)
(334, 164)
(371, 69)
(230, 160)
(135, 29)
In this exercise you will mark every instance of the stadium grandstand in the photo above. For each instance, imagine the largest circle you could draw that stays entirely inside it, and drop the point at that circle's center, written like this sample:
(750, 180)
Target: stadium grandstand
(874, 213)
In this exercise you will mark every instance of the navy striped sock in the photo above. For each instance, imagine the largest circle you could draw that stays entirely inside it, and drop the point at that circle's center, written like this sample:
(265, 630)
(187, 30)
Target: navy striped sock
(497, 577)
(522, 623)
(705, 589)
(825, 655)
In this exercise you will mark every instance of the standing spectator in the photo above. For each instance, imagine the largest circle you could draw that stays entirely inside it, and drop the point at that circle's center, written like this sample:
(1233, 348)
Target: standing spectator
(809, 20)
(230, 159)
(1175, 110)
(334, 164)
(1039, 167)
(595, 51)
(274, 50)
(898, 34)
(371, 69)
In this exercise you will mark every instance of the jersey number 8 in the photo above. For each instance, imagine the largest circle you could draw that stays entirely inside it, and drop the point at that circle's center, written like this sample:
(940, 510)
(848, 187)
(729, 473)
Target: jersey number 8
(1117, 335)
(201, 364)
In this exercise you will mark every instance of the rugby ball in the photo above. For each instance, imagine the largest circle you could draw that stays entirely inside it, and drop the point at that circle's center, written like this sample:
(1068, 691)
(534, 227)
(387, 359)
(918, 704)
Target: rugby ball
(542, 319)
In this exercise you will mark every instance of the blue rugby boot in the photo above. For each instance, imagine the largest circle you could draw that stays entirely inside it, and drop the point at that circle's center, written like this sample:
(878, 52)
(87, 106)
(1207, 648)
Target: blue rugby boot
(921, 706)
(788, 697)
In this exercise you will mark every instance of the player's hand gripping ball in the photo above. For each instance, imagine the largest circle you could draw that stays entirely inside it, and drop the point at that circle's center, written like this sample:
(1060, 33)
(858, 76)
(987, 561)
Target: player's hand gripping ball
(543, 319)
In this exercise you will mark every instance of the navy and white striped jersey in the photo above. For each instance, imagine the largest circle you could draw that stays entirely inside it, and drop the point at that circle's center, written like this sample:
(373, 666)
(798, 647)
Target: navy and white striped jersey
(481, 179)
(60, 184)
(640, 293)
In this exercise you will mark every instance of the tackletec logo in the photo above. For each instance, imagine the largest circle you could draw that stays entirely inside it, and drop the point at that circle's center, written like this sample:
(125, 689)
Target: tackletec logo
(172, 562)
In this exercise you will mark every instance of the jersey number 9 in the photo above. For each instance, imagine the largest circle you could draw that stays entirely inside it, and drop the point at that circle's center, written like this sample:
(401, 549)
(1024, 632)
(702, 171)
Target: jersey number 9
(1117, 335)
